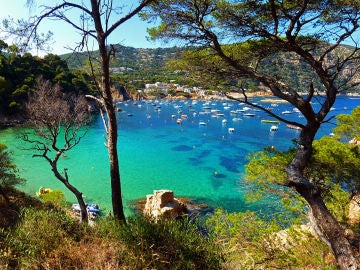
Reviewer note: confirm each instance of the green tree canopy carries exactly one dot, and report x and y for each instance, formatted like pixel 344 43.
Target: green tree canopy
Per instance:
pixel 8 172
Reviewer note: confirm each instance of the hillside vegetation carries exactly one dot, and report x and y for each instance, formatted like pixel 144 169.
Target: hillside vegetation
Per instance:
pixel 138 66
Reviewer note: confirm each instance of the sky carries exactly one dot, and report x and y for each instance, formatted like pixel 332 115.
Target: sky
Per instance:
pixel 132 33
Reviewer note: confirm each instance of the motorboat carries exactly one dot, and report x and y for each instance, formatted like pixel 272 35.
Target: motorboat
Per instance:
pixel 274 128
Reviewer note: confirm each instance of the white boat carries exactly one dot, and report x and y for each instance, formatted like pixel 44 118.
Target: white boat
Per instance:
pixel 231 130
pixel 274 128
pixel 179 121
pixel 214 111
pixel 286 112
pixel 249 114
pixel 224 121
pixel 202 123
pixel 235 119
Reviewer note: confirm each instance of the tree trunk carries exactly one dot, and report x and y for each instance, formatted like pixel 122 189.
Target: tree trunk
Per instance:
pixel 74 190
pixel 79 197
pixel 116 197
pixel 112 134
pixel 325 222
pixel 3 193
pixel 330 227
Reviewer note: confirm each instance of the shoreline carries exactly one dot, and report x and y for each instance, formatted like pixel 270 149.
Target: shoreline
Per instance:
pixel 9 121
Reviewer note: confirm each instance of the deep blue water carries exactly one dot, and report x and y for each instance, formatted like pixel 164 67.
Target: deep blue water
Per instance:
pixel 203 162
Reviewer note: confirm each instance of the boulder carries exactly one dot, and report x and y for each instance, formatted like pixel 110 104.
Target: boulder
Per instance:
pixel 162 203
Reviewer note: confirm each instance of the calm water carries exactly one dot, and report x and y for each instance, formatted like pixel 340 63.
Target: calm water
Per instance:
pixel 204 162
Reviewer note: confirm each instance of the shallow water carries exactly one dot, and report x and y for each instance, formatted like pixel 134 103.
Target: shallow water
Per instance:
pixel 203 162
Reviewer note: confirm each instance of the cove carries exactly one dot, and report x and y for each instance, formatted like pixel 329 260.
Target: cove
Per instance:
pixel 201 161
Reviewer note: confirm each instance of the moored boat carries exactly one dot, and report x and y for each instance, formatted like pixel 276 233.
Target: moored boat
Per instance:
pixel 270 121
pixel 274 128
pixel 293 127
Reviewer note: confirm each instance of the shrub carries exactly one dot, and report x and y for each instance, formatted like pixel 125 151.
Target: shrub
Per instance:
pixel 39 233
pixel 167 244
pixel 252 243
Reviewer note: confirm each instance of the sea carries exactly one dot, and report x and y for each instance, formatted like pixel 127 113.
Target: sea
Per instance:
pixel 196 148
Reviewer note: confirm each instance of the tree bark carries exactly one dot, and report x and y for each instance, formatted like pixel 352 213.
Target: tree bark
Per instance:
pixel 330 227
pixel 112 134
pixel 74 190
pixel 111 127
pixel 325 221
pixel 79 197
pixel 3 193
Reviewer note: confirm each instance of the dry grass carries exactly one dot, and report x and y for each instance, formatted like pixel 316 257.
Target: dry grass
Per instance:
pixel 94 254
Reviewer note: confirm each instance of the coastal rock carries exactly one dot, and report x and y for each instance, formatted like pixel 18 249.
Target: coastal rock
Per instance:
pixel 354 210
pixel 162 203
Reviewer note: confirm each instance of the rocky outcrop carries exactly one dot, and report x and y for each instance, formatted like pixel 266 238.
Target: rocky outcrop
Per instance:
pixel 354 210
pixel 162 203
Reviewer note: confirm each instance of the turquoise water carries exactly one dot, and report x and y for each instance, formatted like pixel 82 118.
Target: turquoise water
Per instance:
pixel 203 162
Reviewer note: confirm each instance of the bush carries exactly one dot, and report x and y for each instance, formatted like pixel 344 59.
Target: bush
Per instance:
pixel 168 244
pixel 39 233
pixel 252 243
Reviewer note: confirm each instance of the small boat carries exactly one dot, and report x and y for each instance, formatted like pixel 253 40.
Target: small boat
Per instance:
pixel 286 112
pixel 293 127
pixel 270 121
pixel 249 114
pixel 236 119
pixel 184 116
pixel 129 114
pixel 231 130
pixel 274 128
pixel 92 209
pixel 202 123
pixel 224 121
pixel 179 121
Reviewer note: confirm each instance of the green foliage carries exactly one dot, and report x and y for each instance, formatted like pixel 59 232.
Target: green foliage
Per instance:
pixel 335 162
pixel 167 244
pixel 39 233
pixel 334 169
pixel 252 243
pixel 274 161
pixel 19 72
pixel 337 202
pixel 348 125
pixel 8 172
pixel 55 197
pixel 52 240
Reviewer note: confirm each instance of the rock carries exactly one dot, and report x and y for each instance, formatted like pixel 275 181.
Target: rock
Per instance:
pixel 163 204
pixel 287 238
pixel 354 210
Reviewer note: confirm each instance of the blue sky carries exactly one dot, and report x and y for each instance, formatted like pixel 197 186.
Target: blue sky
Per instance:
pixel 132 33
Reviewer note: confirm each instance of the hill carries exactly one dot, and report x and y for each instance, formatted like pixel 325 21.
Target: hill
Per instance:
pixel 139 66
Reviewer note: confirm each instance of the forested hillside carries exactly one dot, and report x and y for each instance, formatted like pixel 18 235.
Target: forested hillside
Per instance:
pixel 141 65
pixel 18 73
pixel 130 67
